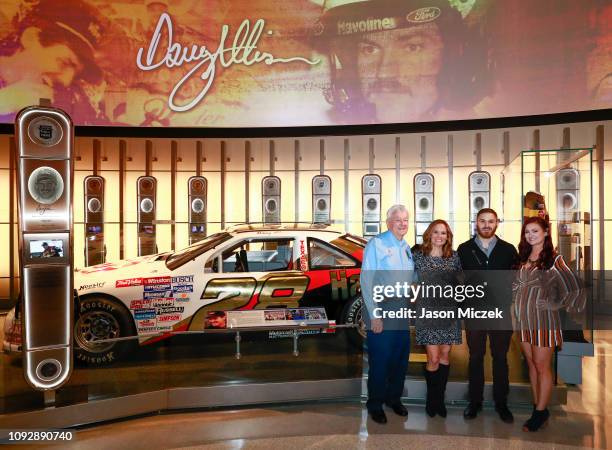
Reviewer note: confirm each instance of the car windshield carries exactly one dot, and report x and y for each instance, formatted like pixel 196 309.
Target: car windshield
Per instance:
pixel 180 257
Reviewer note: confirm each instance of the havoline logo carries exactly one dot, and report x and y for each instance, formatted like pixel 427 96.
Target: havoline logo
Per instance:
pixel 423 15
pixel 369 25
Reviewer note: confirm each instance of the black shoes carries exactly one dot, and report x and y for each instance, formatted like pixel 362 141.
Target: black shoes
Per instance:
pixel 537 420
pixel 399 409
pixel 378 416
pixel 443 370
pixel 436 388
pixel 504 413
pixel 471 412
pixel 430 402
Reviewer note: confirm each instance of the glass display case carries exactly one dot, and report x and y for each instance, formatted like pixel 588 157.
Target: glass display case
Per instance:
pixel 557 184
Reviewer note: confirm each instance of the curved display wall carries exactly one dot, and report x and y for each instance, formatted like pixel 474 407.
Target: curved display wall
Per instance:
pixel 189 63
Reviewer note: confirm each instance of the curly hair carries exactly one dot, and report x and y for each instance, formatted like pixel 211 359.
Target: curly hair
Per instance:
pixel 548 253
pixel 447 249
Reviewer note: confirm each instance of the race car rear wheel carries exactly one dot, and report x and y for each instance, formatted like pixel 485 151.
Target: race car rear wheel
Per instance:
pixel 352 313
pixel 101 318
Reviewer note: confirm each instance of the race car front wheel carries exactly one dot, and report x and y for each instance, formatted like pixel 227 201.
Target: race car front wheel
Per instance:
pixel 101 319
pixel 353 314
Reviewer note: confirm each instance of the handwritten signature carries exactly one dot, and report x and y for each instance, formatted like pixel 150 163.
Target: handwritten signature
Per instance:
pixel 41 210
pixel 243 51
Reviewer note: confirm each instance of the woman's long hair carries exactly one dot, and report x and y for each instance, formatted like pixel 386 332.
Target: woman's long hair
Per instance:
pixel 547 255
pixel 447 249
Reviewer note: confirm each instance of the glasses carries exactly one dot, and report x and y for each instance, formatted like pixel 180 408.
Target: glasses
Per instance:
pixel 399 221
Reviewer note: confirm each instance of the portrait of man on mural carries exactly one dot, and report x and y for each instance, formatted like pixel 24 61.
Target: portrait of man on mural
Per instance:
pixel 401 60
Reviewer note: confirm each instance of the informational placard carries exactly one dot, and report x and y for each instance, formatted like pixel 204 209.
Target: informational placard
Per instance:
pixel 265 318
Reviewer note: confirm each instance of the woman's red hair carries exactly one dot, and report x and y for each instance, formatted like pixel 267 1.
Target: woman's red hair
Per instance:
pixel 447 249
pixel 547 255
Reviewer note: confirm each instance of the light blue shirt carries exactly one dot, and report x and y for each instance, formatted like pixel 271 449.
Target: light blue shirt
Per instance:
pixel 384 253
pixel 487 251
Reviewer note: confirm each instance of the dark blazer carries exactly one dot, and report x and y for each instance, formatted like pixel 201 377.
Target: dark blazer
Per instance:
pixel 496 273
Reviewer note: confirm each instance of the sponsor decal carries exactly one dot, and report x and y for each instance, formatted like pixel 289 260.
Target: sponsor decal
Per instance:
pixel 423 15
pixel 169 318
pixel 186 288
pixel 143 314
pixel 99 268
pixel 170 310
pixel 140 304
pixel 157 287
pixel 182 279
pixel 181 298
pixel 156 280
pixel 146 323
pixel 303 259
pixel 162 303
pixel 84 287
pixel 128 282
pixel 156 294
pixel 369 25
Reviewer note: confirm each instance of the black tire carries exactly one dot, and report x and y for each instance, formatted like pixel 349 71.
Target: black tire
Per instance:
pixel 352 314
pixel 102 318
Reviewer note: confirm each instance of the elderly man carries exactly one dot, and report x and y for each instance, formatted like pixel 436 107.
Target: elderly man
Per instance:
pixel 387 260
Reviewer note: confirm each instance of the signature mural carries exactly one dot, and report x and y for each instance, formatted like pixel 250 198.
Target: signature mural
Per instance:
pixel 239 63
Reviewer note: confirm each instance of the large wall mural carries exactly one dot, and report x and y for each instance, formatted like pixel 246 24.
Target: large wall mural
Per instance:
pixel 222 63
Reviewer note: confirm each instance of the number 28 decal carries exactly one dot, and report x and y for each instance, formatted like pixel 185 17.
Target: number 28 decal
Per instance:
pixel 249 293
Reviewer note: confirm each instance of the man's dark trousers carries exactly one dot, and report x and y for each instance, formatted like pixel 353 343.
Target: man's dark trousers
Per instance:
pixel 499 341
pixel 388 354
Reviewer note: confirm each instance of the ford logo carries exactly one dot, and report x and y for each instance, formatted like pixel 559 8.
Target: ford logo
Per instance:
pixel 422 15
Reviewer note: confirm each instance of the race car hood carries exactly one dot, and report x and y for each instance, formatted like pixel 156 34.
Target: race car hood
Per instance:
pixel 98 278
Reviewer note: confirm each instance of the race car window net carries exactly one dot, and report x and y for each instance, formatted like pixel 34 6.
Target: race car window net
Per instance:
pixel 323 256
pixel 180 257
pixel 259 255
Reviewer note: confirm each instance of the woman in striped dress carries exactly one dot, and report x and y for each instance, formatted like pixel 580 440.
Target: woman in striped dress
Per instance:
pixel 544 285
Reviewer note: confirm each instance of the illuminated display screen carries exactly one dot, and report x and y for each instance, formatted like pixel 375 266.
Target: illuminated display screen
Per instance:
pixel 46 249
pixel 262 63
pixel 94 229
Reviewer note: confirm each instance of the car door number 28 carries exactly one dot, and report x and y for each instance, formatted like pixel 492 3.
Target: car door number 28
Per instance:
pixel 248 293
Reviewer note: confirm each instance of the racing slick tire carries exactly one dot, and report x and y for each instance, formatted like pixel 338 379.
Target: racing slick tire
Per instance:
pixel 352 314
pixel 102 318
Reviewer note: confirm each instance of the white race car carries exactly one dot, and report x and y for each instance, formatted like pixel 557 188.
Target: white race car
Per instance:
pixel 245 267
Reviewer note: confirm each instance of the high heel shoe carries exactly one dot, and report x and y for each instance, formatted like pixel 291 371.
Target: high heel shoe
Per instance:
pixel 538 420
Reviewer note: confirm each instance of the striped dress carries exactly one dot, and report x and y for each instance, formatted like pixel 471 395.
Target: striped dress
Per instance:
pixel 538 296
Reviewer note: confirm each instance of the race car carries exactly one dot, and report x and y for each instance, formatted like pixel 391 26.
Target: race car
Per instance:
pixel 243 268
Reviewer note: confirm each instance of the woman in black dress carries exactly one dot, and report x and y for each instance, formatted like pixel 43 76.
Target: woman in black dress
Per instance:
pixel 437 264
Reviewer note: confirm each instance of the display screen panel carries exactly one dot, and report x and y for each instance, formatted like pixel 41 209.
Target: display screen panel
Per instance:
pixel 261 63
pixel 46 249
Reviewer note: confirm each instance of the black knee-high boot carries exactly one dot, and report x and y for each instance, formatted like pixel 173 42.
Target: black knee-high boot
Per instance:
pixel 430 402
pixel 443 371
